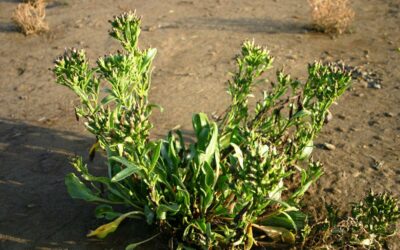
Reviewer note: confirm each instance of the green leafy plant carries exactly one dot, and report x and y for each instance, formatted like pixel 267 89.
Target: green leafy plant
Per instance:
pixel 238 185
pixel 369 225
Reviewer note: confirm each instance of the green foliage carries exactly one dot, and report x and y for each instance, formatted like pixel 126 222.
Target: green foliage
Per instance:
pixel 377 213
pixel 238 185
pixel 371 222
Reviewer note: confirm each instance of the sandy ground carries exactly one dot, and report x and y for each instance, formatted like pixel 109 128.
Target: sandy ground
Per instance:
pixel 196 41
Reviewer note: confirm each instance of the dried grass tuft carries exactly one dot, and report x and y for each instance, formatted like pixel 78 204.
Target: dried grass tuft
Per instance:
pixel 29 17
pixel 331 16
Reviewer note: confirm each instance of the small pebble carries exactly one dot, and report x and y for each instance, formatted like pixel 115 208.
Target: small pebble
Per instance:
pixel 375 85
pixel 41 119
pixel 31 205
pixel 388 114
pixel 364 84
pixel 214 115
pixel 339 129
pixel 342 117
pixel 329 146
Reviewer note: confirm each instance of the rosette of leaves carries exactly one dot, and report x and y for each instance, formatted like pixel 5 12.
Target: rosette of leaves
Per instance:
pixel 238 185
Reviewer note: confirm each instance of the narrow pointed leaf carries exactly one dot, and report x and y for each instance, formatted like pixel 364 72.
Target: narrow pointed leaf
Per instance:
pixel 130 169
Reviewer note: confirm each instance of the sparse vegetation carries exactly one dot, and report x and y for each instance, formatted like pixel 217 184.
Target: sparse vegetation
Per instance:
pixel 331 16
pixel 30 17
pixel 240 184
pixel 369 225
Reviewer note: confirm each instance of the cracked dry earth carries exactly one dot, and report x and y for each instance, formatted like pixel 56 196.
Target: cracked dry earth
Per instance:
pixel 196 41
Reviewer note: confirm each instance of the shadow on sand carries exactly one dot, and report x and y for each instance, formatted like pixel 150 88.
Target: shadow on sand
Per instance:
pixel 252 25
pixel 35 209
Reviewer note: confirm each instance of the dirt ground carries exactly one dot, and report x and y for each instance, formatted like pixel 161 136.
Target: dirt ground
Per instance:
pixel 196 42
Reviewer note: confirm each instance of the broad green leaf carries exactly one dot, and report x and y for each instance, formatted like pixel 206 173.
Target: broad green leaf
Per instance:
pixel 225 140
pixel 201 224
pixel 282 220
pixel 199 121
pixel 78 190
pixel 209 174
pixel 277 234
pixel 207 199
pixel 107 212
pixel 300 114
pixel 149 214
pixel 163 209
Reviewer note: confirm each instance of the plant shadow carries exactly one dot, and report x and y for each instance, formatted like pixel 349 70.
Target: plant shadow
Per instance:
pixel 8 27
pixel 36 210
pixel 251 25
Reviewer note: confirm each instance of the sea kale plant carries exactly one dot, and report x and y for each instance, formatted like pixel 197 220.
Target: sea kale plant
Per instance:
pixel 239 185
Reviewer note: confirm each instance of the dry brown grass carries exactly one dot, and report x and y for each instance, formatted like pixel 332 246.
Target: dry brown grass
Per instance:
pixel 29 17
pixel 331 16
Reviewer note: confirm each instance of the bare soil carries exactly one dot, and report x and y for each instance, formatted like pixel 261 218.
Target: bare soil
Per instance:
pixel 196 41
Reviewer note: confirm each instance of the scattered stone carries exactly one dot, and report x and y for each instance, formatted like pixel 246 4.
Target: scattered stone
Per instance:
pixel 377 164
pixel 339 129
pixel 342 117
pixel 363 84
pixel 372 122
pixel 364 74
pixel 31 205
pixel 352 129
pixel 42 119
pixel 150 28
pixel 375 85
pixel 20 70
pixel 329 146
pixel 388 114
pixel 214 115
pixel 23 97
